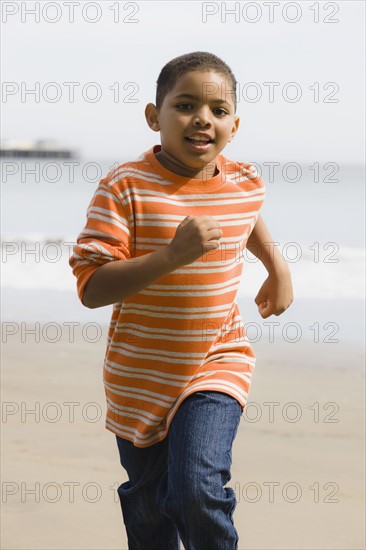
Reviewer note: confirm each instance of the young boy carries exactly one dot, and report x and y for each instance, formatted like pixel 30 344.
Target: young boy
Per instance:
pixel 164 242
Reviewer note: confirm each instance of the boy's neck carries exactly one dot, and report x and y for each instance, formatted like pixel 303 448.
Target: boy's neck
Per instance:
pixel 209 171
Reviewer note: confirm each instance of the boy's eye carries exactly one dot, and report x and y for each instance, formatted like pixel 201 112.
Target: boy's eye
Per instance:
pixel 220 112
pixel 184 106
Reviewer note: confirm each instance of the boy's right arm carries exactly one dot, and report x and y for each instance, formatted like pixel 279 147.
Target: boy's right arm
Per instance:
pixel 116 280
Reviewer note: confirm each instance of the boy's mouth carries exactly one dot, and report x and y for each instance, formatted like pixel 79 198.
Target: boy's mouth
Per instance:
pixel 199 143
pixel 200 139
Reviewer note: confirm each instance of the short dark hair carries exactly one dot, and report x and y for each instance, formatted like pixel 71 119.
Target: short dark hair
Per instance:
pixel 195 61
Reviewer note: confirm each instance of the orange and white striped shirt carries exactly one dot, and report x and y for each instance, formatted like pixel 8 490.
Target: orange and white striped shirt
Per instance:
pixel 184 332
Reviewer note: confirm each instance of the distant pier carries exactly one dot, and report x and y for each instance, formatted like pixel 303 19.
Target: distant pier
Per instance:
pixel 34 149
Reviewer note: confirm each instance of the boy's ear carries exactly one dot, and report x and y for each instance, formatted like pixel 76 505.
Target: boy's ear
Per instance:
pixel 152 115
pixel 234 128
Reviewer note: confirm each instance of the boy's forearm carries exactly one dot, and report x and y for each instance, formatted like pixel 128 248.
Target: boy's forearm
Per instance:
pixel 115 281
pixel 261 244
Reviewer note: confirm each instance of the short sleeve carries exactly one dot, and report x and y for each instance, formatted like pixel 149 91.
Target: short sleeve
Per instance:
pixel 106 236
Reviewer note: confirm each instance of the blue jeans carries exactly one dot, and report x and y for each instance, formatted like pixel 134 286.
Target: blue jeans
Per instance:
pixel 176 486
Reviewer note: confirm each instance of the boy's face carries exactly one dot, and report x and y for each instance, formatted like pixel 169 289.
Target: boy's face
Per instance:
pixel 195 121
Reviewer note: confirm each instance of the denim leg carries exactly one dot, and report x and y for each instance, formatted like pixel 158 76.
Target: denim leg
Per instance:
pixel 147 527
pixel 200 456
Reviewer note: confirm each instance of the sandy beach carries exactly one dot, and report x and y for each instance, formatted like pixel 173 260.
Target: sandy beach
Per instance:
pixel 298 459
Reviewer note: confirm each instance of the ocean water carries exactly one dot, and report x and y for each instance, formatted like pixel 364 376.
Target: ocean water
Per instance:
pixel 314 213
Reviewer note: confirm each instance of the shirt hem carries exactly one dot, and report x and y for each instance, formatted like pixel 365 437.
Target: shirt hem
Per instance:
pixel 242 401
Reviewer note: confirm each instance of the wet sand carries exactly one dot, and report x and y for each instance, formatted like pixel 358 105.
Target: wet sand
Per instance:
pixel 298 459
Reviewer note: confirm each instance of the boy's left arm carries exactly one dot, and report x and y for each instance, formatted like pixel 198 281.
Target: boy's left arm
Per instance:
pixel 276 294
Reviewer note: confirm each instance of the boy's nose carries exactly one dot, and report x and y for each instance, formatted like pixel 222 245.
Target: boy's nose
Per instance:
pixel 202 117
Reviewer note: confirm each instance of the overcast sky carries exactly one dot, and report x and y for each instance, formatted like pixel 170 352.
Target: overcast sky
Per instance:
pixel 123 58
